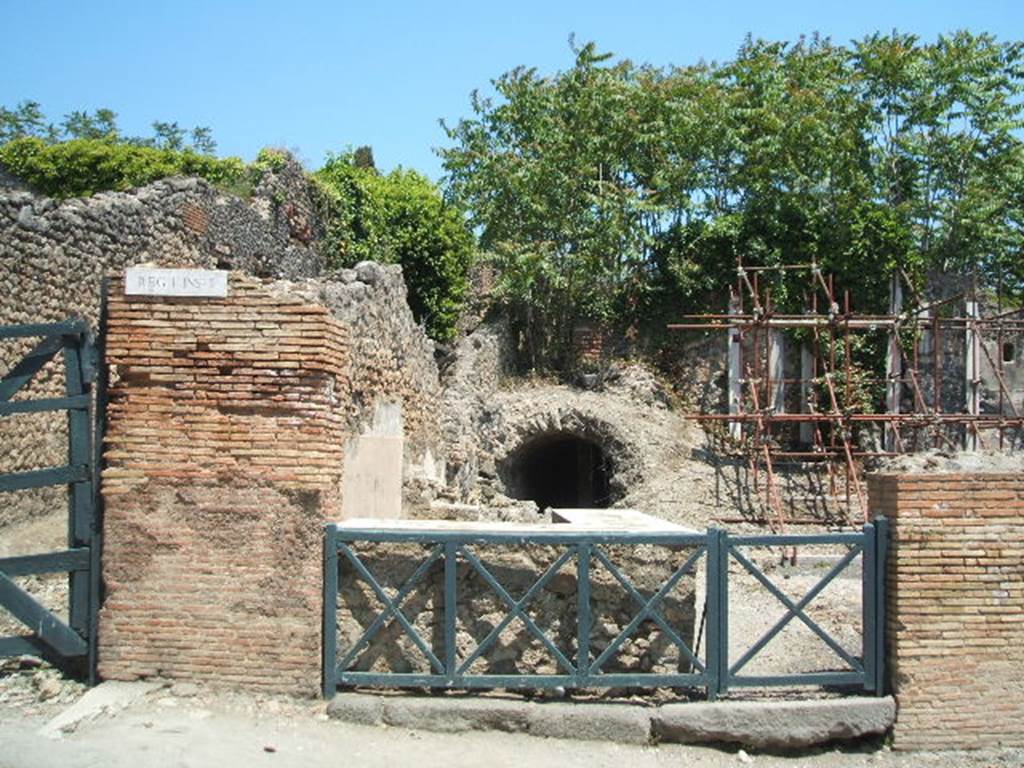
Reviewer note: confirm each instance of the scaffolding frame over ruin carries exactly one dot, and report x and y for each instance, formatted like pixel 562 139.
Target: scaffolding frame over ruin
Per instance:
pixel 831 424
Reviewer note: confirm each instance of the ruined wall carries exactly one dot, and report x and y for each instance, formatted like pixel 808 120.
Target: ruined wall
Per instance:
pixel 224 452
pixel 955 628
pixel 487 415
pixel 54 254
pixel 391 367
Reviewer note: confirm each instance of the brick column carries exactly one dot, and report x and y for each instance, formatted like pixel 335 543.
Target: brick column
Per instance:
pixel 223 453
pixel 955 629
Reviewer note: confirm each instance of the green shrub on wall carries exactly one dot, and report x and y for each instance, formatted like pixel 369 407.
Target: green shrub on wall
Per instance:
pixel 82 167
pixel 399 218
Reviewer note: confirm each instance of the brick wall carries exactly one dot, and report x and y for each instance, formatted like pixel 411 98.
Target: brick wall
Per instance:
pixel 224 452
pixel 587 344
pixel 956 607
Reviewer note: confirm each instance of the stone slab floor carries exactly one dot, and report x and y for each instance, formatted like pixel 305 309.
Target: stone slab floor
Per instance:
pixel 184 726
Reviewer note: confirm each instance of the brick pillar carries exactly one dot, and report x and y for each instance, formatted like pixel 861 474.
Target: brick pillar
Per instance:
pixel 223 459
pixel 955 628
pixel 587 344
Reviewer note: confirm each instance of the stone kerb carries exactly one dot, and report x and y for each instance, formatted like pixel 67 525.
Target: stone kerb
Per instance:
pixel 223 459
pixel 955 624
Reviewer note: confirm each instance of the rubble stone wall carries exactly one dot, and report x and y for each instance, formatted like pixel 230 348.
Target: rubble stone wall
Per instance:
pixel 391 363
pixel 54 255
pixel 955 622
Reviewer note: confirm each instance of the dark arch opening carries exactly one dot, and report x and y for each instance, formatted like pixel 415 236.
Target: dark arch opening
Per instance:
pixel 559 470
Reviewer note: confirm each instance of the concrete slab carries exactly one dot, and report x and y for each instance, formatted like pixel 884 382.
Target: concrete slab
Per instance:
pixel 615 519
pixel 357 709
pixel 752 724
pixel 774 724
pixel 451 714
pixel 621 723
pixel 108 697
pixel 455 715
pixel 596 523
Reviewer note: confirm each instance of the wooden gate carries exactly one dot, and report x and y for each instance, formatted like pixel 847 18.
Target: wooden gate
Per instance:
pixel 71 643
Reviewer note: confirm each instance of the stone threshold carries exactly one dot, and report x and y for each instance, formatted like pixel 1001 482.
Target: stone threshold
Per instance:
pixel 610 520
pixel 772 725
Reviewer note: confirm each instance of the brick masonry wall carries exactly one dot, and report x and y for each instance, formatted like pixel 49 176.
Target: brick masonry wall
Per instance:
pixel 224 448
pixel 955 628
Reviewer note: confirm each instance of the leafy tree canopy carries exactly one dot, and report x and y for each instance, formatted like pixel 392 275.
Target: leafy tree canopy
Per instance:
pixel 26 119
pixel 622 191
pixel 86 153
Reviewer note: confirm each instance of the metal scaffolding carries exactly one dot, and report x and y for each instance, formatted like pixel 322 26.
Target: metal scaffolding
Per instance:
pixel 944 385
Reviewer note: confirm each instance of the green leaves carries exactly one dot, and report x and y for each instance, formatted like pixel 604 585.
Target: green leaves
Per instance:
pixel 399 218
pixel 86 153
pixel 627 182
pixel 27 120
pixel 82 167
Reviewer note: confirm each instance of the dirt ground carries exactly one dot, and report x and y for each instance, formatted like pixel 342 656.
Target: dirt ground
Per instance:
pixel 196 728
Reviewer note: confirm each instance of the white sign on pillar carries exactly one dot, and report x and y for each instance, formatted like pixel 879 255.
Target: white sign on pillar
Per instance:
pixel 151 281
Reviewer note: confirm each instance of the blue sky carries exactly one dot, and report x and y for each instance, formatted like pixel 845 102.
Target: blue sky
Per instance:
pixel 317 76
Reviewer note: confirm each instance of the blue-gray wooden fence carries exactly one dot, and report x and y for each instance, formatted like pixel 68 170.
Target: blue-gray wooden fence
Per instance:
pixel 714 671
pixel 75 639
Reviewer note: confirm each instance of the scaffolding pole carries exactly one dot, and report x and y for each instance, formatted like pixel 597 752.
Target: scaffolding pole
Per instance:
pixel 835 425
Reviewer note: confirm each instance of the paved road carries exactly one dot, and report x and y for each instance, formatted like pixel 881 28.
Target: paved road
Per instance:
pixel 168 732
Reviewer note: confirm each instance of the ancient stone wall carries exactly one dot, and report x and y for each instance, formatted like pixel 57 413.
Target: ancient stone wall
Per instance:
pixel 955 629
pixel 488 415
pixel 54 255
pixel 391 366
pixel 224 452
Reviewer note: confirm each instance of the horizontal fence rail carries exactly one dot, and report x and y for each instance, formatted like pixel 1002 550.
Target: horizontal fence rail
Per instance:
pixel 453 555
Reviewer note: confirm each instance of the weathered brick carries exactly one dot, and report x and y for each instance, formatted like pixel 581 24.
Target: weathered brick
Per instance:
pixel 955 627
pixel 215 496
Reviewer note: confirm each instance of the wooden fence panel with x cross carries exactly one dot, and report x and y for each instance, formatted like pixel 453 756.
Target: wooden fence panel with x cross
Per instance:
pixel 582 663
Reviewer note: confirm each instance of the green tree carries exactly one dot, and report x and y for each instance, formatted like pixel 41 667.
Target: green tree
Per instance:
pixel 624 192
pixel 100 125
pixel 558 176
pixel 82 167
pixel 363 158
pixel 87 153
pixel 169 135
pixel 25 119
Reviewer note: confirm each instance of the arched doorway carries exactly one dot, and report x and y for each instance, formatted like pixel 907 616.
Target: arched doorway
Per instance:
pixel 559 469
